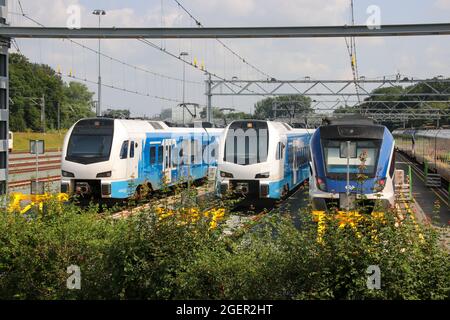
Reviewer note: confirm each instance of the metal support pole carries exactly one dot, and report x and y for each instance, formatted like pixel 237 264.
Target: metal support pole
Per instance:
pixel 4 102
pixel 410 182
pixel 184 84
pixel 99 102
pixel 59 117
pixel 37 165
pixel 209 98
pixel 348 176
pixel 43 113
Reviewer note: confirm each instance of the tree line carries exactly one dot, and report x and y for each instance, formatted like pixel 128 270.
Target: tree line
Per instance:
pixel 34 86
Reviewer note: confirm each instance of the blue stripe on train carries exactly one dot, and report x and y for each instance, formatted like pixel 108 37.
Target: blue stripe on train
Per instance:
pixel 153 173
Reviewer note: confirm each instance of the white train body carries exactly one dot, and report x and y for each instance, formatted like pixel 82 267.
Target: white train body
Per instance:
pixel 111 158
pixel 262 159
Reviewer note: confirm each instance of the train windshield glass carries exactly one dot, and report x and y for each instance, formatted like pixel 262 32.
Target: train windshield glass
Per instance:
pixel 363 156
pixel 90 141
pixel 246 142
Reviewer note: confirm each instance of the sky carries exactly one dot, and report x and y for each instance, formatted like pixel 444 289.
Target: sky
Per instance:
pixel 287 59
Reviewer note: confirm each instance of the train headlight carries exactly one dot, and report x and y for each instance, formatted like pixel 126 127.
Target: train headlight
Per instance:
pixel 67 174
pixel 224 174
pixel 106 174
pixel 262 175
pixel 379 185
pixel 321 184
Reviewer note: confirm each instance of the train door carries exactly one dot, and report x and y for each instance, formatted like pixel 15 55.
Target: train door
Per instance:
pixel 168 146
pixel 296 148
pixel 133 160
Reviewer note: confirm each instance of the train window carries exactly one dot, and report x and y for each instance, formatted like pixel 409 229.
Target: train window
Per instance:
pixel 170 154
pixel 392 166
pixel 152 155
pixel 132 149
pixel 280 150
pixel 195 151
pixel 246 142
pixel 124 150
pixel 290 154
pixel 351 152
pixel 160 154
pixel 336 164
pixel 278 155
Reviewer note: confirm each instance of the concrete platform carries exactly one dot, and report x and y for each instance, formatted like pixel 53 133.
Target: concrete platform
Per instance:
pixel 432 202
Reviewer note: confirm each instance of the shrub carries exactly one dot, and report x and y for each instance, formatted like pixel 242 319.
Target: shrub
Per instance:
pixel 182 255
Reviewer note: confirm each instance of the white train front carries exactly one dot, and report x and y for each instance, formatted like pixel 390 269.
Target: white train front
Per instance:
pixel 112 158
pixel 262 159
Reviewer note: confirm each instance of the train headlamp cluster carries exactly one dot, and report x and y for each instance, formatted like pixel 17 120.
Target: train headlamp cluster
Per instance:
pixel 224 174
pixel 379 185
pixel 67 174
pixel 106 174
pixel 262 175
pixel 321 184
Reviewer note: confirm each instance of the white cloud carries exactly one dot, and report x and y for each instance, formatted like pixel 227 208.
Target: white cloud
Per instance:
pixel 442 4
pixel 281 58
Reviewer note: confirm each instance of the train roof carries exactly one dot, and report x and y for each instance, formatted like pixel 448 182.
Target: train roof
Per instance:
pixel 135 125
pixel 440 133
pixel 358 130
pixel 280 126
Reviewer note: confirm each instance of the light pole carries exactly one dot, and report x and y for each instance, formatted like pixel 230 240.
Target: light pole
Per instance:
pixel 184 77
pixel 99 13
pixel 232 97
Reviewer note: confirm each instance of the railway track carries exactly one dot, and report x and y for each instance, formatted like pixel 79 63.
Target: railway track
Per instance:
pixel 22 168
pixel 441 193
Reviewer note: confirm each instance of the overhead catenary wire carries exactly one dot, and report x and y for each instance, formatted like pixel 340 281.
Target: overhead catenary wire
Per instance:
pixel 145 94
pixel 200 25
pixel 26 16
pixel 351 48
pixel 123 89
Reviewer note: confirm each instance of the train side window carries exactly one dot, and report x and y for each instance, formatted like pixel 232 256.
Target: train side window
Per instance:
pixel 124 150
pixel 160 154
pixel 152 155
pixel 132 149
pixel 392 166
pixel 280 149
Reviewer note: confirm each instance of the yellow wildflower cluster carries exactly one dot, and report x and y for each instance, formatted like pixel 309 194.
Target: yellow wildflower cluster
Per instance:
pixel 351 218
pixel 16 200
pixel 192 215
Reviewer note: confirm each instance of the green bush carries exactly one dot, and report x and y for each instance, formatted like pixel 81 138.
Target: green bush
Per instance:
pixel 146 257
pixel 282 262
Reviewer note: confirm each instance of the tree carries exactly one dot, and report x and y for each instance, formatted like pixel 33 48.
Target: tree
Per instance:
pixel 264 109
pixel 166 114
pixel 76 104
pixel 117 114
pixel 29 82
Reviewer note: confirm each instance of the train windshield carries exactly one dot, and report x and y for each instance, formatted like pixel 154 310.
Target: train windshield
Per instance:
pixel 247 142
pixel 91 141
pixel 362 154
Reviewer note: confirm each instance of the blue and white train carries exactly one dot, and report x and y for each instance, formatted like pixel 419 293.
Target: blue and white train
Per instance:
pixel 262 159
pixel 342 152
pixel 113 159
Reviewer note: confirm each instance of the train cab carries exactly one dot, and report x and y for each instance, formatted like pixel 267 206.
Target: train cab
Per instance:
pixel 350 161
